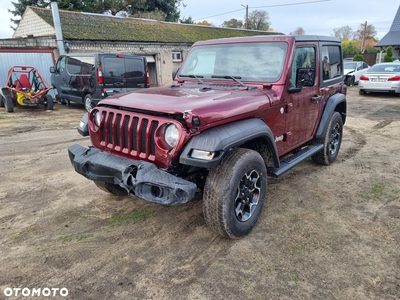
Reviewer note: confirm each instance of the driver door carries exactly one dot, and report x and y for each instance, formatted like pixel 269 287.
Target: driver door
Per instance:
pixel 303 106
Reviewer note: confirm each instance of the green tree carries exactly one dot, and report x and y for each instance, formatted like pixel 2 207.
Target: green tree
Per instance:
pixel 343 33
pixel 358 57
pixel 232 23
pixel 298 31
pixel 188 20
pixel 258 20
pixel 389 55
pixel 350 47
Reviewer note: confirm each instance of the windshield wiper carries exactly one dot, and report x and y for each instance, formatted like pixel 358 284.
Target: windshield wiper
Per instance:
pixel 234 78
pixel 198 77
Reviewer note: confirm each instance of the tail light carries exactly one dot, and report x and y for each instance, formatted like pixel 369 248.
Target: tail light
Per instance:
pixel 100 79
pixel 147 77
pixel 395 78
pixel 363 77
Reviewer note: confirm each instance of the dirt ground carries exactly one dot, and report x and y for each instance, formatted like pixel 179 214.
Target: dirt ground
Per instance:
pixel 325 232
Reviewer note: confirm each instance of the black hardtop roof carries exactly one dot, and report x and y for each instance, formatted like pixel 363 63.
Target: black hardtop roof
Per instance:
pixel 260 38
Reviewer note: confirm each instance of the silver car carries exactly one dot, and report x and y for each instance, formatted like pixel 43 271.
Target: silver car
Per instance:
pixel 382 77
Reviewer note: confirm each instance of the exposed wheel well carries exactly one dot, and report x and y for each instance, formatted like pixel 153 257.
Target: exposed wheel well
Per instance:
pixel 264 147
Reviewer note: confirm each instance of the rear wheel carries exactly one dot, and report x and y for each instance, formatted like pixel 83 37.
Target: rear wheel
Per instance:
pixel 234 193
pixel 48 104
pixel 111 188
pixel 8 104
pixel 1 101
pixel 331 141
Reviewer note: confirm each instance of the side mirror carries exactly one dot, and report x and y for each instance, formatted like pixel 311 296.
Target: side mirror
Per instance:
pixel 52 70
pixel 305 77
pixel 174 72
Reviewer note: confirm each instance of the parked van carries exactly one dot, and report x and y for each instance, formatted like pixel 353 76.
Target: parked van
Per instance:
pixel 89 77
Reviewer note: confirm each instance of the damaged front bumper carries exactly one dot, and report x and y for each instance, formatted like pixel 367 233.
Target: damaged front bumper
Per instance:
pixel 139 178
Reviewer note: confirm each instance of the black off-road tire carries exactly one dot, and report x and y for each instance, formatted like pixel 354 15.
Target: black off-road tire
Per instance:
pixel 234 193
pixel 8 104
pixel 331 141
pixel 1 101
pixel 111 188
pixel 48 104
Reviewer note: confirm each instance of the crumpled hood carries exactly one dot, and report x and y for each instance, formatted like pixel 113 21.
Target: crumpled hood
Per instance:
pixel 209 103
pixel 347 71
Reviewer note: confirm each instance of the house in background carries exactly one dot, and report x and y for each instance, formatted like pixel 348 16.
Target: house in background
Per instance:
pixel 392 38
pixel 164 44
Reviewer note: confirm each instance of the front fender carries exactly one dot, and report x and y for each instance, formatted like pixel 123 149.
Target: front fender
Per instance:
pixel 337 103
pixel 221 139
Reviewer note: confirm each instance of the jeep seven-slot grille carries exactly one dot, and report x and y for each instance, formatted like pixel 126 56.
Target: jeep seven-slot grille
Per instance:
pixel 129 133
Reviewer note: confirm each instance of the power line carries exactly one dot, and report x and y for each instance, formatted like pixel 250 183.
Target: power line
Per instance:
pixel 276 5
pixel 288 4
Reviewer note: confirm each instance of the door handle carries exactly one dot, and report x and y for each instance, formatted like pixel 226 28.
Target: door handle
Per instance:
pixel 316 98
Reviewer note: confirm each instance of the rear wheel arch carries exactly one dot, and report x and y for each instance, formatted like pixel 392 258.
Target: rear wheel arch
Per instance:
pixel 336 103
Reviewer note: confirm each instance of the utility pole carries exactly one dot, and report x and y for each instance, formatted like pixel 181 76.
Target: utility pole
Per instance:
pixel 364 36
pixel 246 23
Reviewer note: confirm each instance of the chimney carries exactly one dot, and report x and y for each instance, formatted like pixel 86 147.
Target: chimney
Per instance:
pixel 57 26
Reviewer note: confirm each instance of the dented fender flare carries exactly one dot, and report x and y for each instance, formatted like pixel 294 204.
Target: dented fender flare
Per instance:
pixel 220 140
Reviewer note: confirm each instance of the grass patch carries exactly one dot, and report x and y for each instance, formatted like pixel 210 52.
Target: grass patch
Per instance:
pixel 83 236
pixel 379 192
pixel 135 216
pixel 66 239
pixel 375 193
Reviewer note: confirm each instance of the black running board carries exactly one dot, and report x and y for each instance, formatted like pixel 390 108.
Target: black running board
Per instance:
pixel 295 159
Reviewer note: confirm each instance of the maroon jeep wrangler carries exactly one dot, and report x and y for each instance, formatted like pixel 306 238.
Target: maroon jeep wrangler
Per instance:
pixel 239 109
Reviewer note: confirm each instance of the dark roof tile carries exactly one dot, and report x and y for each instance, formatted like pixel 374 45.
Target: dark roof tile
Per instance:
pixel 87 26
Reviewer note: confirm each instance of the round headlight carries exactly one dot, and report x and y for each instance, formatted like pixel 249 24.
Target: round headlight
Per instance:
pixel 97 118
pixel 171 135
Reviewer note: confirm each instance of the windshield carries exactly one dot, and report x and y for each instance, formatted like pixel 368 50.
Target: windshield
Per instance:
pixel 350 65
pixel 257 62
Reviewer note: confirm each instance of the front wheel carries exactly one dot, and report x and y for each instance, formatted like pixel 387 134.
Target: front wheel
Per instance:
pixel 8 104
pixel 350 80
pixel 331 141
pixel 48 104
pixel 111 188
pixel 234 193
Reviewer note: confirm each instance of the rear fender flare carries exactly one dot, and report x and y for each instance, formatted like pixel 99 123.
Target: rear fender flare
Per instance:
pixel 337 103
pixel 220 140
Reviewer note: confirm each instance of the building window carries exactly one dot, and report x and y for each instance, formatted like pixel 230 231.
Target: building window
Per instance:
pixel 176 56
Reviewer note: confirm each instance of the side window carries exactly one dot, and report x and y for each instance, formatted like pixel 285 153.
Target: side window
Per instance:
pixel 80 64
pixel 60 67
pixel 365 65
pixel 331 62
pixel 304 57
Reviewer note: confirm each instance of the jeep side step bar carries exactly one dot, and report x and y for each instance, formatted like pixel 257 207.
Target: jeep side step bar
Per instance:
pixel 295 159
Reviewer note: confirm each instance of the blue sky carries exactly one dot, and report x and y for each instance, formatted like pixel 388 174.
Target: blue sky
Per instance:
pixel 316 17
